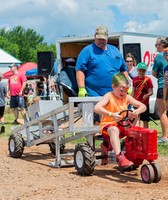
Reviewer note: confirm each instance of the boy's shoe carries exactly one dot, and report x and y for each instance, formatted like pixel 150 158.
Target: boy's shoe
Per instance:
pixel 162 140
pixel 123 162
pixel 2 129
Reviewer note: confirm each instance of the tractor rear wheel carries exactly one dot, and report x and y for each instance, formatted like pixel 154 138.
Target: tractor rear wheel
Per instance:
pixel 84 159
pixel 16 145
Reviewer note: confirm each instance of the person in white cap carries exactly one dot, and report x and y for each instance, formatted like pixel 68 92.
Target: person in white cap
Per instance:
pixel 96 65
pixel 70 60
pixel 16 84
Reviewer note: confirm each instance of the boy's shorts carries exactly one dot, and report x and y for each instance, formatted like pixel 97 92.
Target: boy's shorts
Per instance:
pixel 17 101
pixel 105 134
pixel 145 115
pixel 2 110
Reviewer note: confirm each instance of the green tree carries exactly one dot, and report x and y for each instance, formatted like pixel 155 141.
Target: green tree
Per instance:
pixel 27 41
pixel 41 48
pixel 3 32
pixel 9 47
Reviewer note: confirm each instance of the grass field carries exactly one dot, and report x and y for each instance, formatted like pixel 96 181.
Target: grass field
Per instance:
pixel 9 118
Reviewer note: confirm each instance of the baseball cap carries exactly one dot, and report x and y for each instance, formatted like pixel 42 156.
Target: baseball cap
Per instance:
pixel 70 60
pixel 142 65
pixel 13 65
pixel 101 32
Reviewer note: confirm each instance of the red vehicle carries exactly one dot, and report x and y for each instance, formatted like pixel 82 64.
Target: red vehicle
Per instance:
pixel 138 145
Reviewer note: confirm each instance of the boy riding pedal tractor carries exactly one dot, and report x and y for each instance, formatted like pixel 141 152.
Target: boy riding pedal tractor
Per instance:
pixel 109 107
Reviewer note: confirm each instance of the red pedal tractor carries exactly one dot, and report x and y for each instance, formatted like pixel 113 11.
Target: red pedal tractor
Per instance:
pixel 138 145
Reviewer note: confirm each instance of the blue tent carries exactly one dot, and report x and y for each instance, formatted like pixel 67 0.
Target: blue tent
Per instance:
pixel 34 72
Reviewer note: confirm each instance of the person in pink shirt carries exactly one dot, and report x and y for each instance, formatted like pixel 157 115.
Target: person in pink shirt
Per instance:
pixel 16 84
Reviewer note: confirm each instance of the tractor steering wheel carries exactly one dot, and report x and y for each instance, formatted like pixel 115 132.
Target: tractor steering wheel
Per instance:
pixel 127 121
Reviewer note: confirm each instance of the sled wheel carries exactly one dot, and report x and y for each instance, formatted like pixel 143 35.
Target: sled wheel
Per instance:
pixel 147 173
pixel 16 145
pixel 84 159
pixel 157 171
pixel 52 148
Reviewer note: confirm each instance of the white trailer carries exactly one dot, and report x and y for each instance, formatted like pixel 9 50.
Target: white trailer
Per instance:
pixel 142 46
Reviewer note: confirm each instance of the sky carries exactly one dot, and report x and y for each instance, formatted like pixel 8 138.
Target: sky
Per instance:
pixel 55 19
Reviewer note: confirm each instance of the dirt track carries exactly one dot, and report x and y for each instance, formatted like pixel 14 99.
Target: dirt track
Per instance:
pixel 31 178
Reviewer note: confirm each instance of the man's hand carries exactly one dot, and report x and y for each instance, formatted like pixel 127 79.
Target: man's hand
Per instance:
pixel 20 94
pixel 82 92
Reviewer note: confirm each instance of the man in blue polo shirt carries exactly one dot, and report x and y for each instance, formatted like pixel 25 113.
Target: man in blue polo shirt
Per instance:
pixel 96 65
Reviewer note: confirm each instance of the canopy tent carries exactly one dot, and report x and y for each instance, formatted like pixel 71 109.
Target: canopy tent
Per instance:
pixel 6 58
pixel 34 72
pixel 22 68
pixel 30 69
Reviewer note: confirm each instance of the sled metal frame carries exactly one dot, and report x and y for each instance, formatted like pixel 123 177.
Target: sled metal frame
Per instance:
pixel 86 128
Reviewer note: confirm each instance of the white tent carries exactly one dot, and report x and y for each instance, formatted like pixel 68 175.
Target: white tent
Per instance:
pixel 5 60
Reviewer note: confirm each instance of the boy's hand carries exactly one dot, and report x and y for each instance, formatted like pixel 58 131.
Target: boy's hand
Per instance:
pixel 134 114
pixel 82 92
pixel 117 117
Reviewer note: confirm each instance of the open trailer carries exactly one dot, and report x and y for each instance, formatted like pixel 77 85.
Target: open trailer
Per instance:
pixel 142 46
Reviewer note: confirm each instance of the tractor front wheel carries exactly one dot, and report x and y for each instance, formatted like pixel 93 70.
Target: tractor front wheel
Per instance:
pixel 147 173
pixel 157 171
pixel 84 159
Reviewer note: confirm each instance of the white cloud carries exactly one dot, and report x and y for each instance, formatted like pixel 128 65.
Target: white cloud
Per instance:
pixel 59 18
